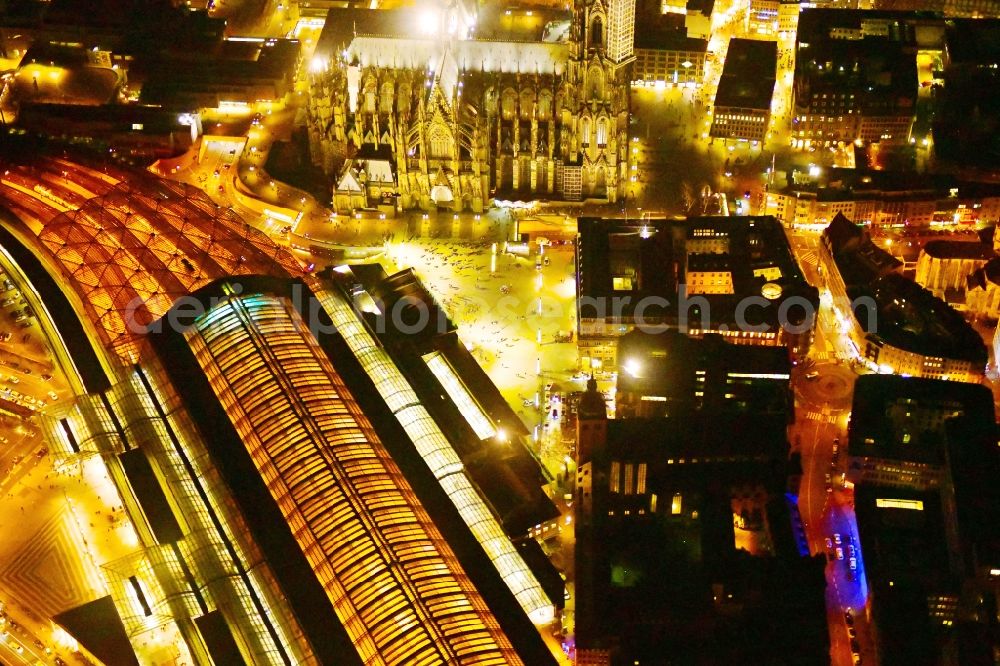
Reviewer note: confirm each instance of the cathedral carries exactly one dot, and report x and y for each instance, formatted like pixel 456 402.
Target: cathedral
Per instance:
pixel 455 106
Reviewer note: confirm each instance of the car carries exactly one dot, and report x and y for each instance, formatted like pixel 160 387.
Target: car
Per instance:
pixel 829 543
pixel 857 659
pixel 827 479
pixel 836 538
pixel 852 632
pixel 853 563
pixel 855 646
pixel 216 173
pixel 12 379
pixel 53 395
pixel 836 449
pixel 812 375
pixel 840 553
pixel 46 378
pixel 849 618
pixel 4 337
pixel 850 549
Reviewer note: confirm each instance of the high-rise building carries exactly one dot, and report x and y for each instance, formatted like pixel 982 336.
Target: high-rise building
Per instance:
pixel 621 30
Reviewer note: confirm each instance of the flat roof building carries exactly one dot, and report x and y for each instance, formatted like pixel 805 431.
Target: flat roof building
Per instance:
pixel 244 70
pixel 921 452
pixel 965 111
pixel 636 272
pixel 665 54
pixel 743 100
pixel 856 75
pixel 897 433
pixel 666 373
pixel 683 532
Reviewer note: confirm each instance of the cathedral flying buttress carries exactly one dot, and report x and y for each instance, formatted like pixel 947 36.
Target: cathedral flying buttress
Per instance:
pixel 460 117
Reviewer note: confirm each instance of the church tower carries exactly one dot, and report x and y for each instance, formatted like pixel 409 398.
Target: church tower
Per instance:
pixel 591 423
pixel 600 47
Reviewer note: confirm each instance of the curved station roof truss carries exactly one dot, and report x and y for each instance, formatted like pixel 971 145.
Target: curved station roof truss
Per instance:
pixel 392 579
pixel 130 243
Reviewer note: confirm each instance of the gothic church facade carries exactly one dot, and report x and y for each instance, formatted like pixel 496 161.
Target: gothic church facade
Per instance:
pixel 454 120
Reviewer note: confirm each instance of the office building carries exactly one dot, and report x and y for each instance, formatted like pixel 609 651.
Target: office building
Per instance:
pixel 921 453
pixel 900 427
pixel 667 373
pixel 894 324
pixel 635 273
pixel 665 55
pixel 880 199
pixel 853 86
pixel 743 101
pixel 683 532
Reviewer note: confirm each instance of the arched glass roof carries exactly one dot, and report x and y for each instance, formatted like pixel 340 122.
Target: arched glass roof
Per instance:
pixel 130 244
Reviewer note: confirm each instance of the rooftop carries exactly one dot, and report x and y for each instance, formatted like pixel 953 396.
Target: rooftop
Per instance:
pixel 879 73
pixel 858 259
pixel 632 259
pixel 949 249
pixel 905 561
pixel 669 575
pixel 700 436
pixel 674 366
pixel 910 317
pixel 903 418
pixel 460 395
pixel 130 243
pixel 967 112
pixel 666 32
pixel 748 75
pixel 973 42
pixel 816 24
pixel 343 479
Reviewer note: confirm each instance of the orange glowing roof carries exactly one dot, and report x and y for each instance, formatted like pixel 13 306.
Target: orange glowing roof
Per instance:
pixel 130 243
